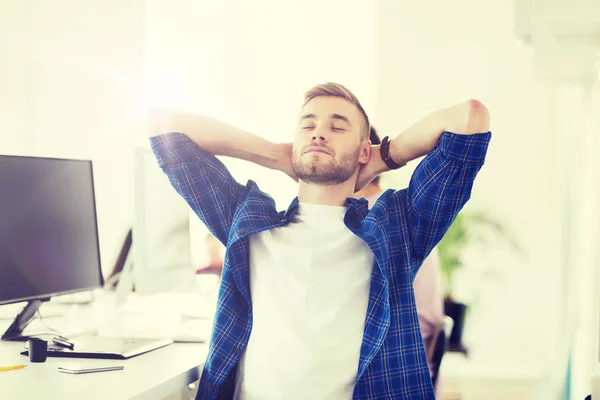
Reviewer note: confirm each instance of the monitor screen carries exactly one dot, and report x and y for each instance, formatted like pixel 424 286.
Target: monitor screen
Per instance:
pixel 48 228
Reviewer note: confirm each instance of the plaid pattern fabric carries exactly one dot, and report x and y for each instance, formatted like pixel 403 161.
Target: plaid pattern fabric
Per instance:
pixel 401 229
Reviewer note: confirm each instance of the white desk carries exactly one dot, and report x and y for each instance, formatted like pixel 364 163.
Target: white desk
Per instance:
pixel 474 380
pixel 153 375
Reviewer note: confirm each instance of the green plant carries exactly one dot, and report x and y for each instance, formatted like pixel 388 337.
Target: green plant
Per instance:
pixel 468 229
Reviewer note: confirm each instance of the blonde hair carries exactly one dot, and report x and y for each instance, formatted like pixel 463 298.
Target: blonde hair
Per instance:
pixel 337 90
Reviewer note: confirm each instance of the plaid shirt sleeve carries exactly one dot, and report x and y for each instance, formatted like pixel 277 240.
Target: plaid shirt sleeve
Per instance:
pixel 439 188
pixel 201 179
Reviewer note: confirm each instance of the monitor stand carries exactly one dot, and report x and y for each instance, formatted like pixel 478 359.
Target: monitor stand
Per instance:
pixel 15 330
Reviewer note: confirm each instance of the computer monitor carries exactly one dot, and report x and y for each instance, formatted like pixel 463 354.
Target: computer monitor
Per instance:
pixel 48 233
pixel 162 254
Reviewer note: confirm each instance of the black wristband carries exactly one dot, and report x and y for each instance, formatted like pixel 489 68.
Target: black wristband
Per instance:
pixel 384 149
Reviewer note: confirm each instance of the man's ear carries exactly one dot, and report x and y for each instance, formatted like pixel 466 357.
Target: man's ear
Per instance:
pixel 365 152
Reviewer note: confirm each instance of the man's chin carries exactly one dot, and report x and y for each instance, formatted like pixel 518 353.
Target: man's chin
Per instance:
pixel 321 179
pixel 317 172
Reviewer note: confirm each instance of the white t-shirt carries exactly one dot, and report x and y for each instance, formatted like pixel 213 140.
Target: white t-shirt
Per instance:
pixel 309 284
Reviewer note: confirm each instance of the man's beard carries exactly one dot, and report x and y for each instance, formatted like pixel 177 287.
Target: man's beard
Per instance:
pixel 328 173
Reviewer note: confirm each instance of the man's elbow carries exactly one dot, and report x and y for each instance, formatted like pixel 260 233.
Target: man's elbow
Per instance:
pixel 478 117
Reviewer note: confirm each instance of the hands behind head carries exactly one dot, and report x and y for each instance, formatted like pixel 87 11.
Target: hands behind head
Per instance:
pixel 285 160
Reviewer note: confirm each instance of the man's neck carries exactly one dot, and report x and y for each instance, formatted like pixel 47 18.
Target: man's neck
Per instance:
pixel 368 191
pixel 333 195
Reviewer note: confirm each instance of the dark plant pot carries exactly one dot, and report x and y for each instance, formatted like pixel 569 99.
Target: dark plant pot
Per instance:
pixel 457 312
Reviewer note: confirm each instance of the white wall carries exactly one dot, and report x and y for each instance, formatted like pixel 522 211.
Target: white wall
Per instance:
pixel 584 307
pixel 72 88
pixel 15 88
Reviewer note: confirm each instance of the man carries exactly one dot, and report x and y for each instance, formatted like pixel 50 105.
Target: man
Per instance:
pixel 427 286
pixel 316 302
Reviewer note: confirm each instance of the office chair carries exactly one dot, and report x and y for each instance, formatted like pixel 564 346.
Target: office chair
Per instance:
pixel 439 347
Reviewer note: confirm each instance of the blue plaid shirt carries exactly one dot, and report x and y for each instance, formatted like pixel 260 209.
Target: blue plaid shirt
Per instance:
pixel 401 229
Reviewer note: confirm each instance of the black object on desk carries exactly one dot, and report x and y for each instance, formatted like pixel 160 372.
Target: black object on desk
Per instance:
pixel 38 350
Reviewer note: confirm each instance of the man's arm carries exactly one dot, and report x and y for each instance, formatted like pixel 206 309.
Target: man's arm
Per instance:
pixel 455 140
pixel 221 139
pixel 419 139
pixel 185 146
pixel 468 118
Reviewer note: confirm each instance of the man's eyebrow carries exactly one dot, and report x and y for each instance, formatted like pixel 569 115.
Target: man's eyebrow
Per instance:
pixel 341 118
pixel 332 116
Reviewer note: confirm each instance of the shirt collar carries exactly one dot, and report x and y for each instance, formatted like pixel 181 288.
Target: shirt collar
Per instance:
pixel 291 211
pixel 360 206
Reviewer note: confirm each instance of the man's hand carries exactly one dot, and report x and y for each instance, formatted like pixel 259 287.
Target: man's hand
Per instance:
pixel 285 160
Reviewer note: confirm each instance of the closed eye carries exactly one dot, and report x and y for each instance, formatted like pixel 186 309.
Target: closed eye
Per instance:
pixel 307 127
pixel 338 129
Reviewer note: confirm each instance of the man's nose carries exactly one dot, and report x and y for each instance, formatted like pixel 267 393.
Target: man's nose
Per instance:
pixel 319 135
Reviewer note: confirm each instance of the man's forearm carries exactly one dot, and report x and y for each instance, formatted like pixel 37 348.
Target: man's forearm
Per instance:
pixel 217 137
pixel 466 118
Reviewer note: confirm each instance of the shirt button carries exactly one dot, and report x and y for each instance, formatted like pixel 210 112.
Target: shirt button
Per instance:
pixel 236 350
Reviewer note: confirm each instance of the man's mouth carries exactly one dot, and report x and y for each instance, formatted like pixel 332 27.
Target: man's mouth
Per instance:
pixel 317 150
